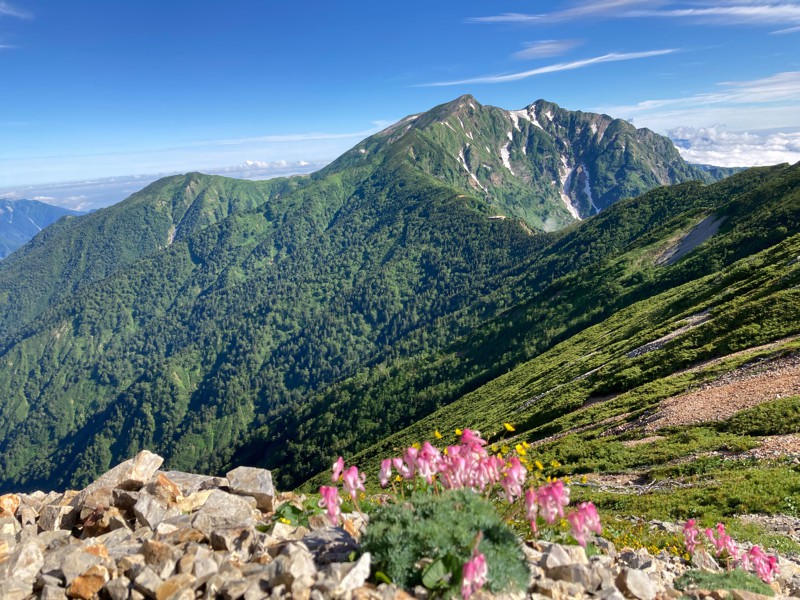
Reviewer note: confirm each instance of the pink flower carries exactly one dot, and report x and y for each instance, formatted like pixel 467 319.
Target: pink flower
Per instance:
pixel 690 535
pixel 329 498
pixel 407 465
pixel 338 467
pixel 427 461
pixel 723 542
pixel 353 482
pixel 584 520
pixel 386 471
pixel 553 497
pixel 474 442
pixel 474 574
pixel 531 508
pixel 513 479
pixel 765 566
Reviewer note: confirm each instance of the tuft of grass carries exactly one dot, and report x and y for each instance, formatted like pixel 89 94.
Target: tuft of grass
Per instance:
pixel 735 579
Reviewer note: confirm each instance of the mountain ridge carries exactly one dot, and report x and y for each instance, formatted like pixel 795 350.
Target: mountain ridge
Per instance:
pixel 32 217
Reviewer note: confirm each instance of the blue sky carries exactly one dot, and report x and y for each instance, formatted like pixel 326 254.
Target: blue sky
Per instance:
pixel 94 92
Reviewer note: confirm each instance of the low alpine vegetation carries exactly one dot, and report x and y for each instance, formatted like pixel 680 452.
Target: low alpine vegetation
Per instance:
pixel 439 526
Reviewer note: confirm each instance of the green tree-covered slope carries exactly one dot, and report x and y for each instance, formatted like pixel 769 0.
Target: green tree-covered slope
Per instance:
pixel 216 321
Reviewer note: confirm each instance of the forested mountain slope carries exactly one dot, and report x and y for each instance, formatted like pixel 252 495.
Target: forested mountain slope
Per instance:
pixel 213 320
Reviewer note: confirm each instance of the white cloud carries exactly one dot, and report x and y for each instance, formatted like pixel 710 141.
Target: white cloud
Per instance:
pixel 6 10
pixel 581 10
pixel 257 169
pixel 545 48
pixel 718 146
pixel 764 13
pixel 735 12
pixel 777 94
pixel 578 64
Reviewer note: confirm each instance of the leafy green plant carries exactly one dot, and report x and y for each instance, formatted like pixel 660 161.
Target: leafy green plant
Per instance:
pixel 730 580
pixel 426 539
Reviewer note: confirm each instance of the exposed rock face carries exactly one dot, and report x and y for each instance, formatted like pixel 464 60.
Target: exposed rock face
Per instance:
pixel 143 534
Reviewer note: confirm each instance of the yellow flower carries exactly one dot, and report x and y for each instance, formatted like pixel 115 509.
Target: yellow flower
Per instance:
pixel 504 449
pixel 567 480
pixel 499 455
pixel 459 432
pixel 555 464
pixel 416 445
pixel 509 427
pixel 583 479
pixel 285 521
pixel 520 449
pixel 398 478
pixel 437 435
pixel 526 445
pixel 539 465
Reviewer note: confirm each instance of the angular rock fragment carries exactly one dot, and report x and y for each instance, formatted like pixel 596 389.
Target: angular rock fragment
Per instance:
pixel 221 511
pixel 257 483
pixel 636 584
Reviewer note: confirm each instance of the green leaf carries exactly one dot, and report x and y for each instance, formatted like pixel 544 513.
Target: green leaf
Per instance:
pixel 436 575
pixel 382 577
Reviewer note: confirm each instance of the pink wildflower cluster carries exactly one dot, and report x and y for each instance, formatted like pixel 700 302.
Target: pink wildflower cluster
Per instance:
pixel 755 559
pixel 467 465
pixel 352 482
pixel 584 521
pixel 474 574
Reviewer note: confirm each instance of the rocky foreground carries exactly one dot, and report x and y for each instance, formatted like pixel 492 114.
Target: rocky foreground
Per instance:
pixel 141 533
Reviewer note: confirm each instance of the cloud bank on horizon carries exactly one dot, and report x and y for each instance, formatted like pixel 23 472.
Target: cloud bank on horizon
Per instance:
pixel 721 77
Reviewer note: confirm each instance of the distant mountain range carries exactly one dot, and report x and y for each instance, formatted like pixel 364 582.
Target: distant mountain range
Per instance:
pixel 20 220
pixel 220 321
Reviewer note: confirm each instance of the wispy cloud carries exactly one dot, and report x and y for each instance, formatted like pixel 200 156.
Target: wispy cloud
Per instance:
pixel 718 146
pixel 765 13
pixel 545 48
pixel 564 66
pixel 780 87
pixel 582 10
pixel 7 10
pixel 768 103
pixel 735 12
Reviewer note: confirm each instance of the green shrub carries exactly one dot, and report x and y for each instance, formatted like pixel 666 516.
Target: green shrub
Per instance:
pixel 777 417
pixel 427 539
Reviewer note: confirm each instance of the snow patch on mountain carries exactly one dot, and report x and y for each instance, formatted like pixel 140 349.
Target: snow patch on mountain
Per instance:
pixel 34 224
pixel 565 173
pixel 466 168
pixel 505 155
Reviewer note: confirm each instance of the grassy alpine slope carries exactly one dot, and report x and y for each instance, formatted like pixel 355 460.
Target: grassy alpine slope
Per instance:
pixel 667 392
pixel 218 321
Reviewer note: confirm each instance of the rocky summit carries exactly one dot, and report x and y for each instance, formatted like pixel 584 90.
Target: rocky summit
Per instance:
pixel 141 533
